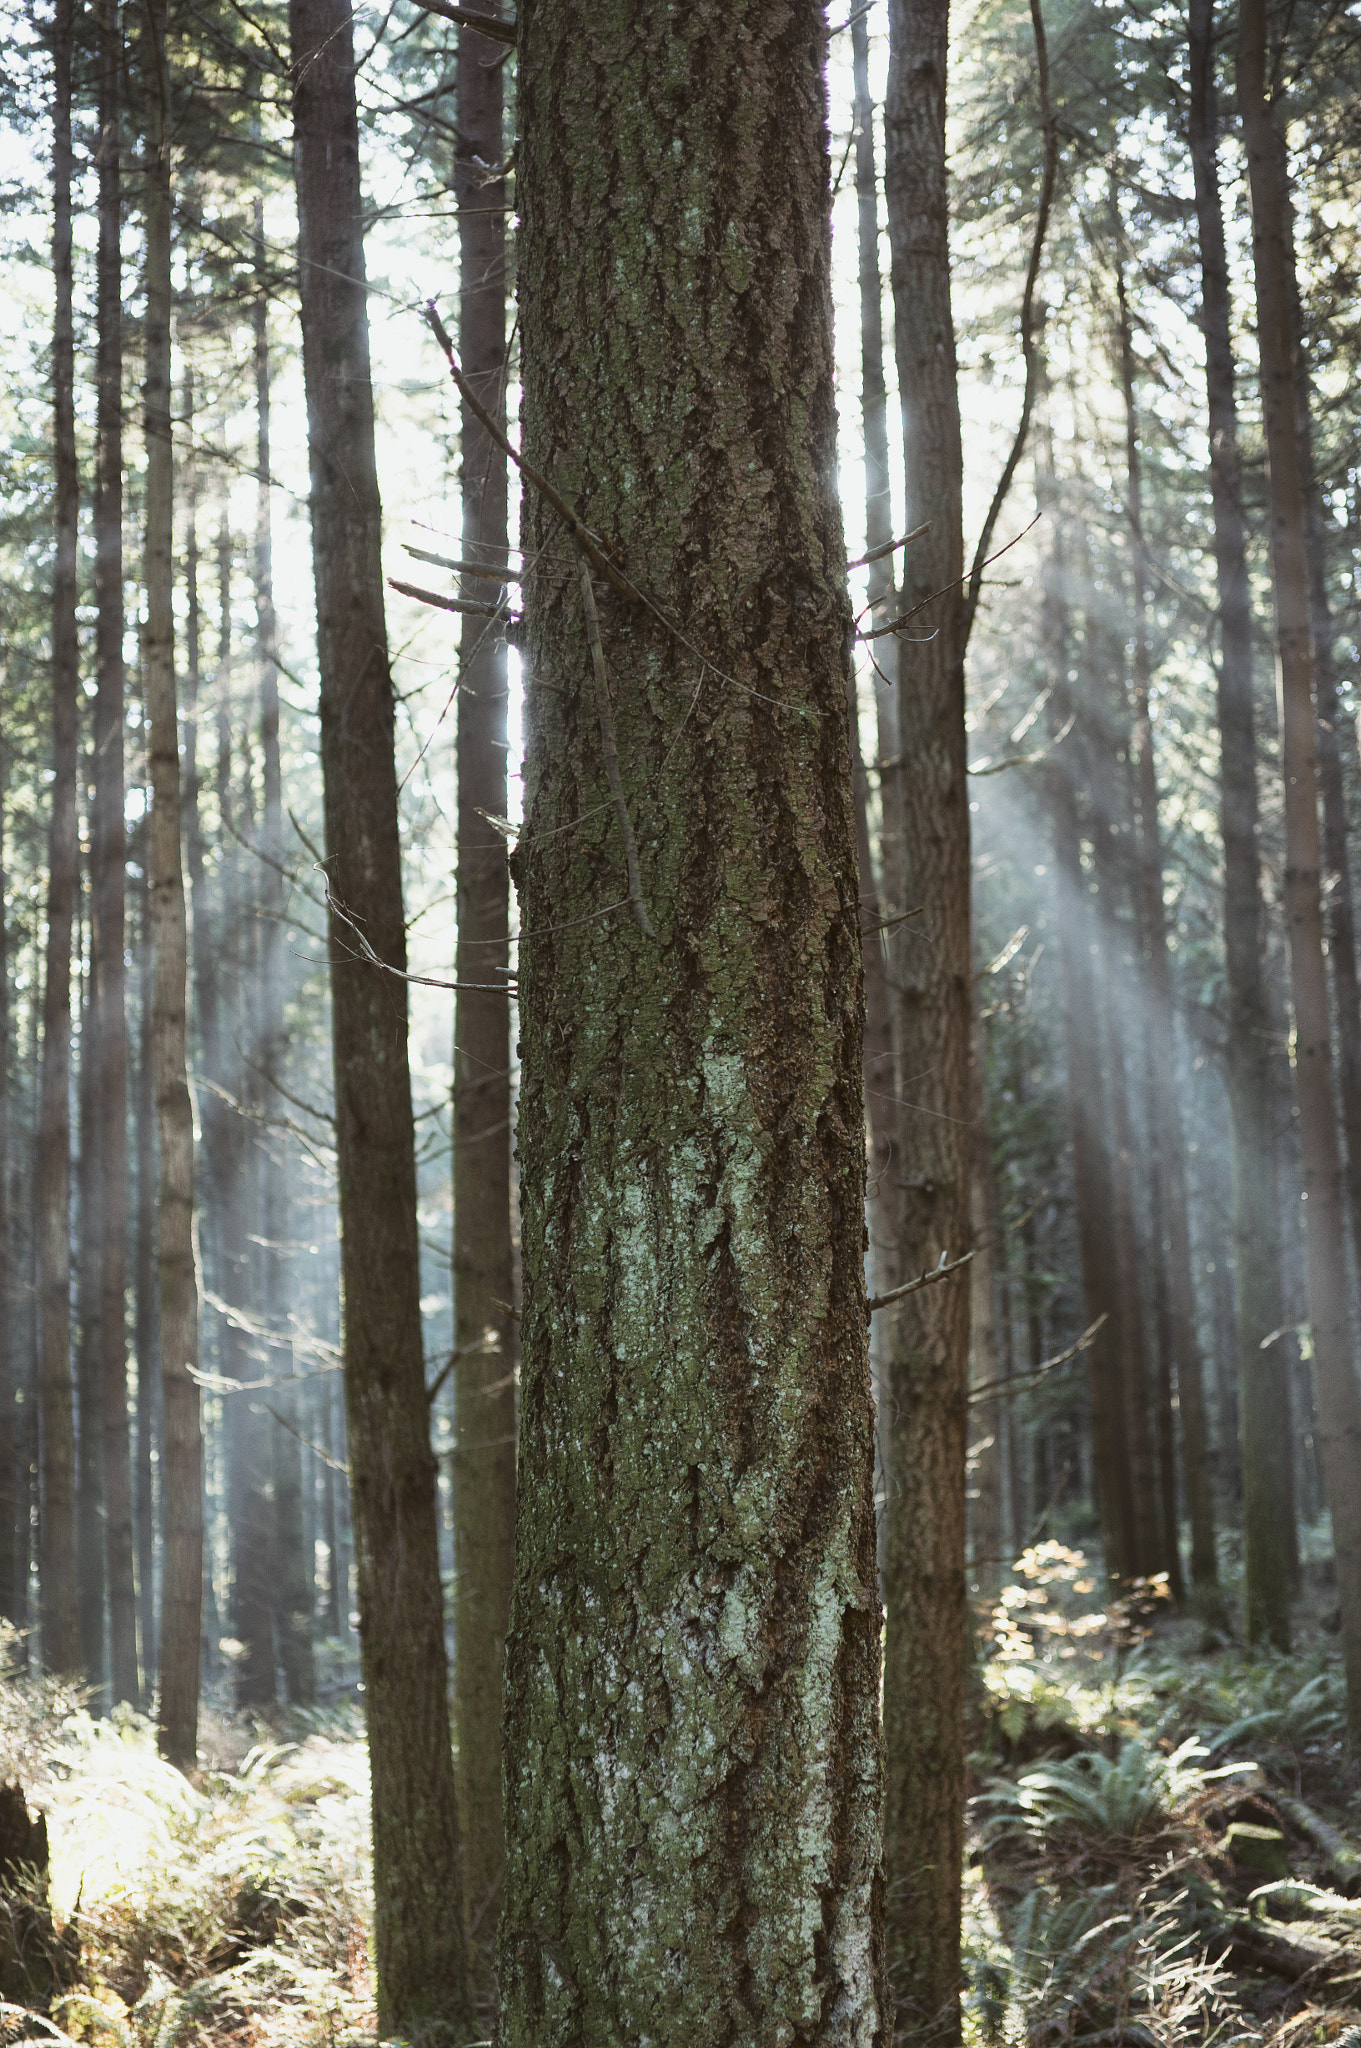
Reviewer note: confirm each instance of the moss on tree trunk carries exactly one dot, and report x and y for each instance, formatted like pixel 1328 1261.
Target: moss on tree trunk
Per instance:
pixel 692 1741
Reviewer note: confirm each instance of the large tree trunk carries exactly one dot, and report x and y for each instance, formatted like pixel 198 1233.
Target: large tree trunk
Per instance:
pixel 1167 1164
pixel 692 1741
pixel 108 870
pixel 1268 1524
pixel 60 1615
pixel 292 1578
pixel 182 1448
pixel 484 1328
pixel 1339 1394
pixel 925 1644
pixel 420 1938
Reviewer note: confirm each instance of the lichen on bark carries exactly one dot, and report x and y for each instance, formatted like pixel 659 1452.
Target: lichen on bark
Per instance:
pixel 693 1758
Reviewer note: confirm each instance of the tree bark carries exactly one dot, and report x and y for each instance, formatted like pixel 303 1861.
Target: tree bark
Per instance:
pixel 692 1743
pixel 1268 1524
pixel 1339 1393
pixel 878 905
pixel 292 1577
pixel 60 1616
pixel 421 1947
pixel 929 1343
pixel 108 871
pixel 182 1454
pixel 1167 1163
pixel 484 1328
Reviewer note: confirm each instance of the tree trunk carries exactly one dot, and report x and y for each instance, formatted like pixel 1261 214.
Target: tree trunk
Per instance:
pixel 1339 1394
pixel 147 1325
pixel 1167 1162
pixel 1086 1087
pixel 60 1614
pixel 1103 732
pixel 108 870
pixel 90 1555
pixel 292 1577
pixel 422 1963
pixel 1263 1382
pixel 925 1643
pixel 9 1305
pixel 692 1743
pixel 182 1453
pixel 484 1328
pixel 879 906
pixel 985 1417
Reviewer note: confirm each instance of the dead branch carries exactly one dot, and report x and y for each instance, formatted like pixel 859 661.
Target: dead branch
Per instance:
pixel 463 17
pixel 927 1279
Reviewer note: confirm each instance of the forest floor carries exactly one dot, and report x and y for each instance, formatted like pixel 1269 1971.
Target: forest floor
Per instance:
pixel 1164 1848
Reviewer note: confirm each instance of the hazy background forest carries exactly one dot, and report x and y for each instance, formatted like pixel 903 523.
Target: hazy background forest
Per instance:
pixel 1117 1422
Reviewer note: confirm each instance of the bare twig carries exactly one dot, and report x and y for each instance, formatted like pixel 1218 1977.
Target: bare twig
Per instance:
pixel 487 1343
pixel 461 568
pixel 890 547
pixel 1021 1382
pixel 575 524
pixel 896 625
pixel 475 605
pixel 336 1464
pixel 463 17
pixel 927 1279
pixel 1030 348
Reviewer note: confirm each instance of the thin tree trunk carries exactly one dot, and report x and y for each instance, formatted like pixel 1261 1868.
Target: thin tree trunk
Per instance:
pixel 1268 1523
pixel 57 1576
pixel 9 1306
pixel 90 1555
pixel 146 1327
pixel 108 871
pixel 879 906
pixel 1339 1393
pixel 925 1642
pixel 292 1577
pixel 420 1939
pixel 985 1417
pixel 182 1456
pixel 695 1553
pixel 484 1328
pixel 1168 1155
pixel 1086 1088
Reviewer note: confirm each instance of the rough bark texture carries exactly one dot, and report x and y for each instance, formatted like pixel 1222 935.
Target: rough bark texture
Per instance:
pixel 925 1645
pixel 60 1617
pixel 182 1447
pixel 108 870
pixel 1179 1347
pixel 1339 1393
pixel 420 1942
pixel 484 1328
pixel 1263 1375
pixel 692 1743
